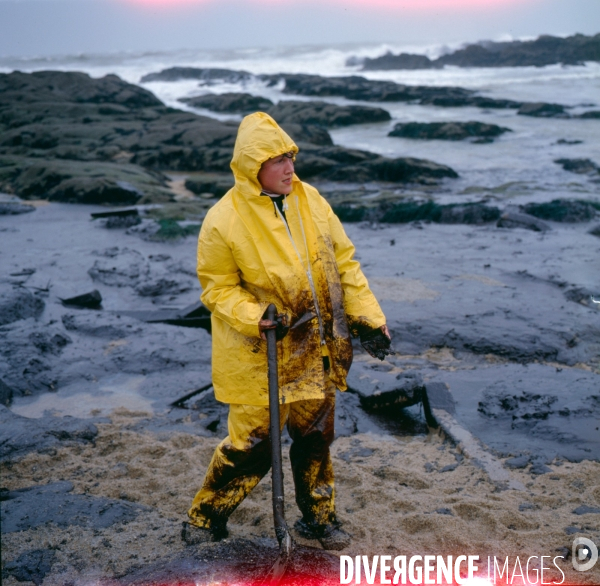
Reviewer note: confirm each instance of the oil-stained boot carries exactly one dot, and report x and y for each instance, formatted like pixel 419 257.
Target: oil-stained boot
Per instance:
pixel 193 535
pixel 330 536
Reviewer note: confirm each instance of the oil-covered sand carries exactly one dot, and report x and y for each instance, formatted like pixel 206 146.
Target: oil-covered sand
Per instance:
pixel 115 467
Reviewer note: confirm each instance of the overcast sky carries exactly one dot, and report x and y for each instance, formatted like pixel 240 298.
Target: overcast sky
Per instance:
pixel 50 27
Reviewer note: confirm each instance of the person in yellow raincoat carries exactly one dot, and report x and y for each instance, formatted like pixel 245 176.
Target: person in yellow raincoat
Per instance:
pixel 274 239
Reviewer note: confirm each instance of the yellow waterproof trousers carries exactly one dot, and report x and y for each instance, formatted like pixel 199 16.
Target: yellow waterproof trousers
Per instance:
pixel 244 457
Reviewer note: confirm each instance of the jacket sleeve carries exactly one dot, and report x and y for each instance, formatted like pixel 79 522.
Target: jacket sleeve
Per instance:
pixel 359 302
pixel 219 278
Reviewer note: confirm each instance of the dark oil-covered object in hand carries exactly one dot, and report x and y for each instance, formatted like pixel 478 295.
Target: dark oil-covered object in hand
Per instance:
pixel 282 327
pixel 376 343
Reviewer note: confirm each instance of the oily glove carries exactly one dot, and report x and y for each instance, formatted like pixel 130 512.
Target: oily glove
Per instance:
pixel 377 342
pixel 280 325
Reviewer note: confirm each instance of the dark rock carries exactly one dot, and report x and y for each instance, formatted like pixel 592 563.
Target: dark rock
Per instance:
pixel 308 133
pixel 407 169
pixel 449 467
pixel 542 110
pixel 326 114
pixel 217 185
pixel 447 130
pixel 21 435
pixel 35 506
pixel 518 463
pixel 122 267
pixel 119 213
pixel 193 316
pixel 18 303
pixel 205 75
pixel 122 222
pixel 526 506
pixel 95 190
pixel 590 115
pixel 31 566
pixel 359 88
pixel 400 61
pixel 565 141
pixel 516 220
pixel 562 210
pixel 231 103
pixel 573 530
pixel 48 342
pixel 121 218
pixel 72 181
pixel 115 152
pixel 414 211
pixel 101 325
pixel 378 389
pixel 583 166
pixel 444 511
pixel 362 89
pixel 78 87
pixel 471 213
pixel 162 286
pixel 545 50
pixel 6 394
pixel 595 231
pixel 586 510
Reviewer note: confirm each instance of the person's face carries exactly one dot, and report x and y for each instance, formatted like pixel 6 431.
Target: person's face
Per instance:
pixel 276 174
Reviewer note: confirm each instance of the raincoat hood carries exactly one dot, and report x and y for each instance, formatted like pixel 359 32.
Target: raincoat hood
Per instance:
pixel 259 139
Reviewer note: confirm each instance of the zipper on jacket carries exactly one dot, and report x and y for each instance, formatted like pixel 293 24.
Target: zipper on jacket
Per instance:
pixel 307 270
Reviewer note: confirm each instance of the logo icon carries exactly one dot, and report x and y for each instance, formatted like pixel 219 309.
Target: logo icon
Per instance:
pixel 584 554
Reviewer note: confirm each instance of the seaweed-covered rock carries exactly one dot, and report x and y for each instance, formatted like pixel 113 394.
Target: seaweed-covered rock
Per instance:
pixel 562 210
pixel 205 75
pixel 542 110
pixel 232 103
pixel 545 50
pixel 448 130
pixel 471 213
pixel 581 166
pixel 590 115
pixel 326 114
pixel 68 137
pixel 73 86
pixel 216 184
pixel 415 211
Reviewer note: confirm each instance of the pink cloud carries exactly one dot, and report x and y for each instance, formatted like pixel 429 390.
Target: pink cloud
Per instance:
pixel 395 5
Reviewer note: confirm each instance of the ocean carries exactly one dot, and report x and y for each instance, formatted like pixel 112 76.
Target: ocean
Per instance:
pixel 517 167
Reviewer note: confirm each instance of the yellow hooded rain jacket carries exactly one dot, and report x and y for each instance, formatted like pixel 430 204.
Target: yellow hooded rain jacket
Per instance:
pixel 249 257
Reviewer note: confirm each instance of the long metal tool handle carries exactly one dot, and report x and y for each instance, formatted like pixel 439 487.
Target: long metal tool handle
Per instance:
pixel 281 529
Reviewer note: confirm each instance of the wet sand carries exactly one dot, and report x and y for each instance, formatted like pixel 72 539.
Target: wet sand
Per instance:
pixel 386 496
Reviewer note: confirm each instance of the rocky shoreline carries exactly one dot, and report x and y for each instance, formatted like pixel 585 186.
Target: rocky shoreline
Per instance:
pixel 545 50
